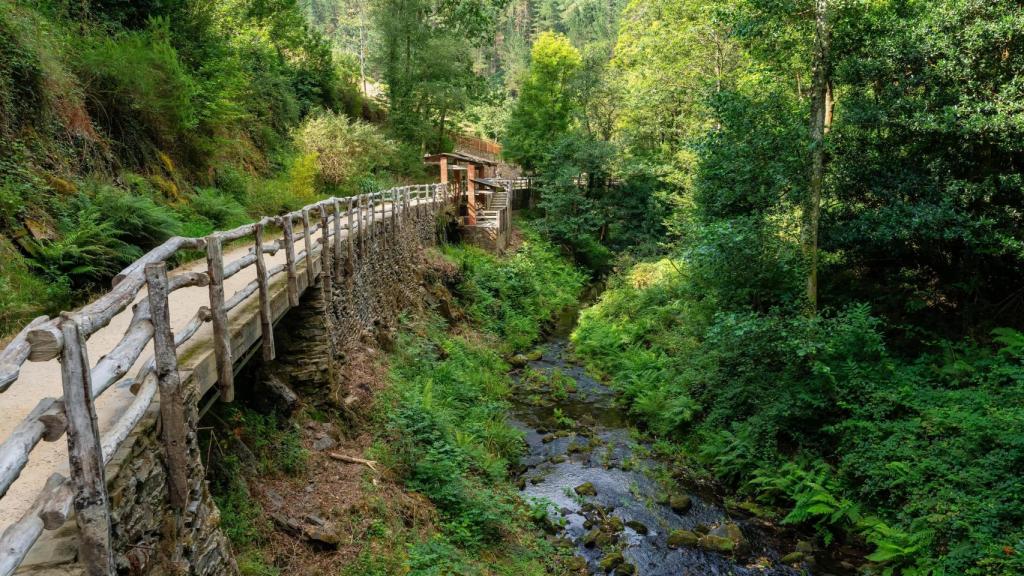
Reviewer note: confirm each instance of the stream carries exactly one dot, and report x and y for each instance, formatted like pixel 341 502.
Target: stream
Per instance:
pixel 606 494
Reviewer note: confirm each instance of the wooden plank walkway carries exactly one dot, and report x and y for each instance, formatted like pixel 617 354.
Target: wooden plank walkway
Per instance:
pixel 217 309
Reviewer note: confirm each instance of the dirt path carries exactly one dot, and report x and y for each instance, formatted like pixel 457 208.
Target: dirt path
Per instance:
pixel 41 379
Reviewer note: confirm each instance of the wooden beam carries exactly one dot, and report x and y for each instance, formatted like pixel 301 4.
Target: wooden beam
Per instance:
pixel 326 259
pixel 266 320
pixel 308 241
pixel 85 455
pixel 15 354
pixel 337 240
pixel 471 196
pixel 289 254
pixel 221 333
pixel 173 424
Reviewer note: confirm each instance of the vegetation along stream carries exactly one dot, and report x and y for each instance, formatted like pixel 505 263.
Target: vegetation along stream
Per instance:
pixel 603 489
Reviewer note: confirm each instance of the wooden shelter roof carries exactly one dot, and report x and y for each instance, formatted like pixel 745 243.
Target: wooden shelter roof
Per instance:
pixel 457 157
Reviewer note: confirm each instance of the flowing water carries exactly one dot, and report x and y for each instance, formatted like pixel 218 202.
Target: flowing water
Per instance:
pixel 577 435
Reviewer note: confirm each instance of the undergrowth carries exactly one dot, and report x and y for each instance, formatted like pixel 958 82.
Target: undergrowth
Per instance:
pixel 123 124
pixel 514 297
pixel 918 456
pixel 445 434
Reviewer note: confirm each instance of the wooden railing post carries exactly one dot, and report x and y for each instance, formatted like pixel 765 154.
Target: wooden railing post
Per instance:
pixel 337 240
pixel 326 259
pixel 307 241
pixel 85 455
pixel 173 423
pixel 289 256
pixel 266 321
pixel 373 217
pixel 351 230
pixel 219 315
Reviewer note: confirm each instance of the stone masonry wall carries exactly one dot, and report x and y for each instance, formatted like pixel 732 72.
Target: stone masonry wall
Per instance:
pixel 382 276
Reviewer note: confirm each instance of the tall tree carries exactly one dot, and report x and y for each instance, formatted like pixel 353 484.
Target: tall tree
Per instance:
pixel 821 122
pixel 547 103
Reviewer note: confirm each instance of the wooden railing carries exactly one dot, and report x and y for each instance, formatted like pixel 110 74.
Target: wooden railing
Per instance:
pixel 89 448
pixel 478 146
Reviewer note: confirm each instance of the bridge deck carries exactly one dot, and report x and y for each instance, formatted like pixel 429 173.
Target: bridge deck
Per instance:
pixel 196 358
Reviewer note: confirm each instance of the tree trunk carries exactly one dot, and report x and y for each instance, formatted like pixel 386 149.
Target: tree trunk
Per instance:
pixel 821 119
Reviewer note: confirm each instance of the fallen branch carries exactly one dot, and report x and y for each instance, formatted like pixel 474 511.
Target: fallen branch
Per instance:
pixel 371 464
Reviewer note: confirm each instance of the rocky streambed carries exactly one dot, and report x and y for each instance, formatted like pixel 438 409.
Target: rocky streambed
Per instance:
pixel 615 503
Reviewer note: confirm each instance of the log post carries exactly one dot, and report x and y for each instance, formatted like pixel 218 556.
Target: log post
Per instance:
pixel 289 255
pixel 351 235
pixel 326 274
pixel 266 321
pixel 173 424
pixel 383 210
pixel 221 334
pixel 359 219
pixel 307 240
pixel 471 194
pixel 337 240
pixel 85 456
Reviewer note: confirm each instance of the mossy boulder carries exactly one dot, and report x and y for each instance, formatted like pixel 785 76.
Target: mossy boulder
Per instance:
pixel 519 360
pixel 586 489
pixel 535 354
pixel 625 569
pixel 723 538
pixel 715 543
pixel 680 538
pixel 597 538
pixel 611 561
pixel 637 527
pixel 614 525
pixel 680 503
pixel 793 558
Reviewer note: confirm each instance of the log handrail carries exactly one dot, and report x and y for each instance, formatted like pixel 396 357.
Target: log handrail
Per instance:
pixel 45 339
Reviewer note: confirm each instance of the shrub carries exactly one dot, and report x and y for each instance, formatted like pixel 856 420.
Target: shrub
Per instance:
pixel 87 252
pixel 816 414
pixel 514 297
pixel 221 210
pixel 138 87
pixel 136 220
pixel 345 150
pixel 24 295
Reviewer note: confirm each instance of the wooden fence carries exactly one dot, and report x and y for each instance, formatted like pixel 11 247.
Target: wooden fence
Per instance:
pixel 89 449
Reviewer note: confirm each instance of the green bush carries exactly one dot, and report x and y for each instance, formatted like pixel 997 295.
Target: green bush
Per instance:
pixel 515 296
pixel 221 210
pixel 817 415
pixel 136 220
pixel 24 295
pixel 138 87
pixel 449 436
pixel 87 253
pixel 345 150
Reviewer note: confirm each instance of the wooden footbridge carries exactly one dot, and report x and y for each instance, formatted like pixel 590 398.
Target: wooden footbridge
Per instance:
pixel 145 351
